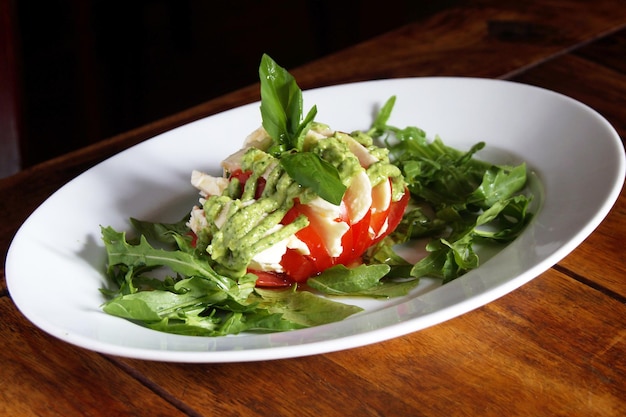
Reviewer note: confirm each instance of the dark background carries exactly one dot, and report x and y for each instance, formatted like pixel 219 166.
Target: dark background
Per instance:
pixel 94 68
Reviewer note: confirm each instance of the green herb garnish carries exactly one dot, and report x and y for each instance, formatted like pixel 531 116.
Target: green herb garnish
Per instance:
pixel 281 111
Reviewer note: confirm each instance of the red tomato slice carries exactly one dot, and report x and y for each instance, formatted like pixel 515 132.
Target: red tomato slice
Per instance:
pixel 240 175
pixel 194 238
pixel 308 235
pixel 297 266
pixel 361 239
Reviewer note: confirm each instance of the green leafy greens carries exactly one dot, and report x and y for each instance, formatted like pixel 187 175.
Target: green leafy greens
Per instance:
pixel 163 280
pixel 194 300
pixel 473 201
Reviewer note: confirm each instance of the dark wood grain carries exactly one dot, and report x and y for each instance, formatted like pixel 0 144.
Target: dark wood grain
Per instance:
pixel 591 82
pixel 556 346
pixel 42 376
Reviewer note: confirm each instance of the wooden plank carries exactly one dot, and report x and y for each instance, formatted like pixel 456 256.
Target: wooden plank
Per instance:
pixel 592 83
pixel 479 38
pixel 600 258
pixel 515 356
pixel 609 51
pixel 43 376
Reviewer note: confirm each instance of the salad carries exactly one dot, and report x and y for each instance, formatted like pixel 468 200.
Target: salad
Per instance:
pixel 304 215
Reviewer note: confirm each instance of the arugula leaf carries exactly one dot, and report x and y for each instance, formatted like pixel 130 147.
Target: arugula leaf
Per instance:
pixel 498 184
pixel 161 232
pixel 156 304
pixel 472 200
pixel 340 280
pixel 199 301
pixel 120 252
pixel 309 170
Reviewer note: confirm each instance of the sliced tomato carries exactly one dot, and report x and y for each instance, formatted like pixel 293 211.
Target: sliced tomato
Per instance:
pixel 308 235
pixel 297 266
pixel 194 239
pixel 361 237
pixel 241 176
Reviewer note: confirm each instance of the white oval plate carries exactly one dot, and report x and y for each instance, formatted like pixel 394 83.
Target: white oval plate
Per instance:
pixel 55 263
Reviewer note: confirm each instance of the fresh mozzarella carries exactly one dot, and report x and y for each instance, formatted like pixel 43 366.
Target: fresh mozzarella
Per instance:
pixel 207 184
pixel 220 219
pixel 259 139
pixel 358 197
pixel 197 221
pixel 323 217
pixel 233 162
pixel 365 157
pixel 269 259
pixel 381 196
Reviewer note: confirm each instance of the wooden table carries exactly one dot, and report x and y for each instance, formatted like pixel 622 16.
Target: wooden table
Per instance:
pixel 556 346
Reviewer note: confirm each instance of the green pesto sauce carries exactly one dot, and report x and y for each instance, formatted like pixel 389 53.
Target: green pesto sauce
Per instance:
pixel 335 150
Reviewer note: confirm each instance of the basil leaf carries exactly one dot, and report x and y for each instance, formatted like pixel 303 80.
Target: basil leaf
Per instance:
pixel 281 101
pixel 281 107
pixel 309 170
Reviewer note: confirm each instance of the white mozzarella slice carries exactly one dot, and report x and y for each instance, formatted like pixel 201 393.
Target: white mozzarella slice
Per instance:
pixel 365 157
pixel 197 221
pixel 381 196
pixel 233 162
pixel 358 197
pixel 259 139
pixel 208 184
pixel 323 217
pixel 221 218
pixel 294 243
pixel 269 259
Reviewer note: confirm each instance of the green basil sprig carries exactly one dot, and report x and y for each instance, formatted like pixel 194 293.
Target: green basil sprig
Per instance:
pixel 281 111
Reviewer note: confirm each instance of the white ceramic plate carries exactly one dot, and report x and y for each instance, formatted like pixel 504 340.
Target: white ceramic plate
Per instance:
pixel 55 264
